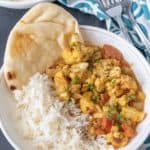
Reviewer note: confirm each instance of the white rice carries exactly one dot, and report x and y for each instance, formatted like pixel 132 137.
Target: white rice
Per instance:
pixel 51 123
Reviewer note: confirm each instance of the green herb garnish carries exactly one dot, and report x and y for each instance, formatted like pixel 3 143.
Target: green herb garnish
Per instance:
pixel 131 97
pixel 118 125
pixel 74 44
pixel 91 87
pixel 102 91
pixel 76 80
pixel 97 61
pixel 95 98
pixel 119 117
pixel 113 81
pixel 109 115
pixel 111 112
pixel 68 88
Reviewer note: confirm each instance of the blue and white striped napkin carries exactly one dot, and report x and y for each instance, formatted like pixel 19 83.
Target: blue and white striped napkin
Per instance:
pixel 141 12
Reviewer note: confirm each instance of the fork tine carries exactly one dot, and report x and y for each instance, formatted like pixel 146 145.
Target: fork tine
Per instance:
pixel 112 1
pixel 117 1
pixel 108 3
pixel 104 3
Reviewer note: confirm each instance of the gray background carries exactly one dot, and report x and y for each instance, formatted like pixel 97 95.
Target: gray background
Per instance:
pixel 8 17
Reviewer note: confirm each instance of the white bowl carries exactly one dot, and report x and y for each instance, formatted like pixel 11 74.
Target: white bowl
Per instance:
pixel 20 4
pixel 98 36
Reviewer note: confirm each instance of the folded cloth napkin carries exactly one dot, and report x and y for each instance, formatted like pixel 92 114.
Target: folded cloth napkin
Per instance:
pixel 140 10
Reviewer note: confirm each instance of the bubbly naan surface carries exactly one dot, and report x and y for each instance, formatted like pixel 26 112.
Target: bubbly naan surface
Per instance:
pixel 36 41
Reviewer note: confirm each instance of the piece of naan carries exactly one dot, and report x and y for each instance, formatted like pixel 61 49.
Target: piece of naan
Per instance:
pixel 36 42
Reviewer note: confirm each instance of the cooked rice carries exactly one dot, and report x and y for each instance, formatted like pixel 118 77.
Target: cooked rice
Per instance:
pixel 51 123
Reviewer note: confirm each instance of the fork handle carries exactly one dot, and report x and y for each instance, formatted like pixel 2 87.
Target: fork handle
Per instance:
pixel 142 36
pixel 144 39
pixel 123 28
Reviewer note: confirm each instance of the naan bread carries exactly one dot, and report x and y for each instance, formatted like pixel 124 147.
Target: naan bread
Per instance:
pixel 36 41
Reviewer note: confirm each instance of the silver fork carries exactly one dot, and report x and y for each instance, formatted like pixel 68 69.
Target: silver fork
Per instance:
pixel 114 9
pixel 126 4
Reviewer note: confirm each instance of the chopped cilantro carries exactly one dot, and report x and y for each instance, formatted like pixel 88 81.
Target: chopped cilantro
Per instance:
pixel 131 97
pixel 91 87
pixel 102 91
pixel 95 98
pixel 119 117
pixel 76 80
pixel 113 81
pixel 111 112
pixel 113 109
pixel 68 88
pixel 109 115
pixel 118 125
pixel 74 44
pixel 97 61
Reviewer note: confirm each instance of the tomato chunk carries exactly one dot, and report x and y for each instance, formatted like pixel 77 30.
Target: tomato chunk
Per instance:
pixel 112 52
pixel 99 131
pixel 91 111
pixel 104 98
pixel 124 63
pixel 129 131
pixel 106 124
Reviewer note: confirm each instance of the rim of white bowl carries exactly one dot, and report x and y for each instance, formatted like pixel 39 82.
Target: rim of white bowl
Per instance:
pixel 133 50
pixel 21 4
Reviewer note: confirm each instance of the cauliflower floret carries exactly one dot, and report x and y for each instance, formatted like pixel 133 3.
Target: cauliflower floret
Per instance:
pixel 79 67
pixel 113 88
pixel 133 114
pixel 115 72
pixel 117 138
pixel 75 38
pixel 122 100
pixel 128 82
pixel 99 84
pixel 110 62
pixel 141 96
pixel 91 79
pixel 86 103
pixel 72 56
pixel 61 85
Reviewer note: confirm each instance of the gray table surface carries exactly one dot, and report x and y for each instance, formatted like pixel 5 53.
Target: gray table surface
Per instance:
pixel 8 18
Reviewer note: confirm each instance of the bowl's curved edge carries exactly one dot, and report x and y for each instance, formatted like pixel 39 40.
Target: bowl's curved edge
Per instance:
pixel 145 63
pixel 2 127
pixel 138 54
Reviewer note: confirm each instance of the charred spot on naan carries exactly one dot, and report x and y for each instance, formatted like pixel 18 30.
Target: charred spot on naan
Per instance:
pixel 11 75
pixel 12 87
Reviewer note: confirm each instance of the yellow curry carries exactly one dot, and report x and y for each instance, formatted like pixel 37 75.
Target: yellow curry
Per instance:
pixel 104 86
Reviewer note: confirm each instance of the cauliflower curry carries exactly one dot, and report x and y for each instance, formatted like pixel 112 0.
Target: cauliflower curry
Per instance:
pixel 104 86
